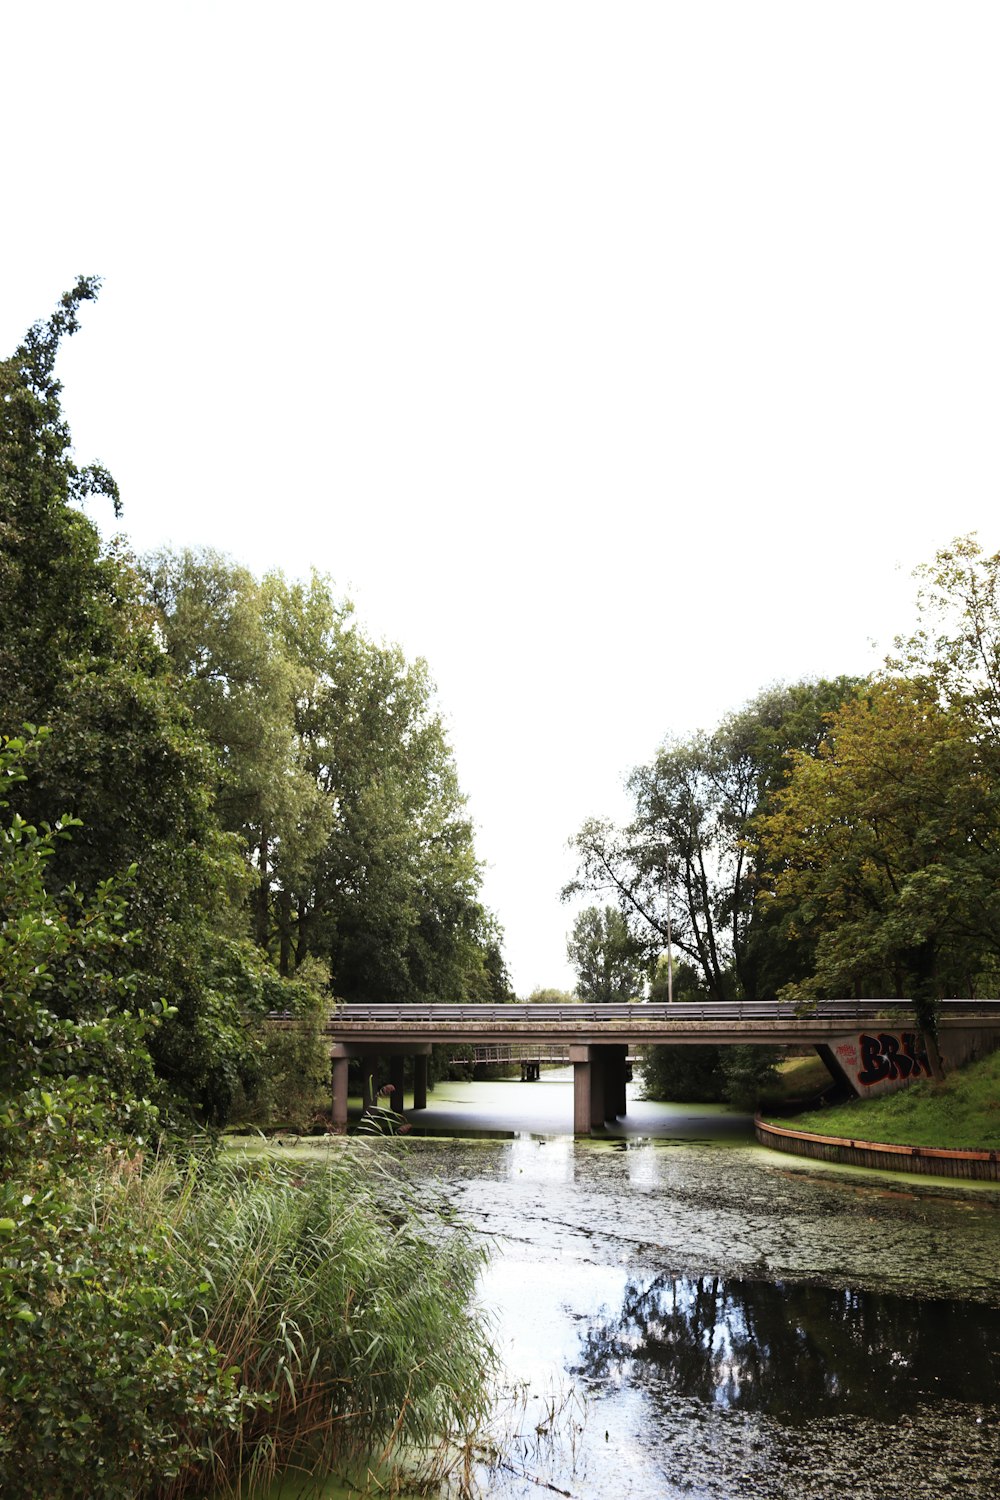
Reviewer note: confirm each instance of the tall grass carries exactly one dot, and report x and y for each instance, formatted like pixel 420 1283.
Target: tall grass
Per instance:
pixel 345 1300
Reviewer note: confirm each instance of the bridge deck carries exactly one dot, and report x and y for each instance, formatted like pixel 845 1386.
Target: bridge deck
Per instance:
pixel 747 1022
pixel 599 1036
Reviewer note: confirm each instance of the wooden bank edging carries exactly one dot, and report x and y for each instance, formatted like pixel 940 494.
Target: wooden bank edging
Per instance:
pixel 978 1166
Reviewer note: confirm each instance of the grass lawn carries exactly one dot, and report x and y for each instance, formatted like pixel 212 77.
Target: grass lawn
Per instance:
pixel 963 1112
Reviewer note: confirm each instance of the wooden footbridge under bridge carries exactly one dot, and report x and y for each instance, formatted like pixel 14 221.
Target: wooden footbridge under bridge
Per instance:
pixel 528 1056
pixel 597 1038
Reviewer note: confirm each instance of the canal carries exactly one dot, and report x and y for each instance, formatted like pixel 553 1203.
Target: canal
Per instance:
pixel 685 1314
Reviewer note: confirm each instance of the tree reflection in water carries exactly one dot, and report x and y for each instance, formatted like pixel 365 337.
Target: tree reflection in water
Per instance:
pixel 794 1351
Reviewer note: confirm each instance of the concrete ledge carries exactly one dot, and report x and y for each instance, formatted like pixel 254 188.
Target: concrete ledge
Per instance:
pixel 977 1166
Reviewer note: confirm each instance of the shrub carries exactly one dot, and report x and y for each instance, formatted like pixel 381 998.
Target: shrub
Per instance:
pixel 105 1383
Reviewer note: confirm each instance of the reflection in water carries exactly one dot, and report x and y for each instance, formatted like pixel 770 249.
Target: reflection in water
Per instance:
pixel 541 1160
pixel 794 1351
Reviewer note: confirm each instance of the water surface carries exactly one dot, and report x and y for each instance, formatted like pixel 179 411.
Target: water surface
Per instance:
pixel 683 1313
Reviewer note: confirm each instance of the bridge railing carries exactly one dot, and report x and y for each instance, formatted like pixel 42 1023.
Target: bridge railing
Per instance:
pixel 514 1052
pixel 865 1011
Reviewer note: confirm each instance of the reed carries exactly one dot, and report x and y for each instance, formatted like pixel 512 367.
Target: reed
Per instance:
pixel 346 1302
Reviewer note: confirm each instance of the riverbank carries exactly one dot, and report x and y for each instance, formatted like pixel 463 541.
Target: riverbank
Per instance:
pixel 972 1166
pixel 962 1113
pixel 950 1128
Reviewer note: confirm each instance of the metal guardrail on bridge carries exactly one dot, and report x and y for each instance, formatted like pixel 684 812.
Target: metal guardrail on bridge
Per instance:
pixel 644 1012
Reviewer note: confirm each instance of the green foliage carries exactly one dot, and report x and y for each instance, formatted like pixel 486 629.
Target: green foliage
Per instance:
pixel 748 1072
pixel 343 1297
pixel 683 1075
pixel 106 1387
pixel 73 1057
pixel 58 594
pixel 885 850
pixel 956 647
pixel 739 1076
pixel 80 653
pixel 293 1082
pixel 687 981
pixel 236 666
pixel 129 1295
pixel 124 757
pixel 166 1331
pixel 334 770
pixel 688 867
pixel 607 959
pixel 94 1398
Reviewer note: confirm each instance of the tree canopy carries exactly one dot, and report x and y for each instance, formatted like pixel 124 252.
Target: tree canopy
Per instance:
pixel 836 837
pixel 884 850
pixel 279 786
pixel 607 959
pixel 689 865
pixel 334 770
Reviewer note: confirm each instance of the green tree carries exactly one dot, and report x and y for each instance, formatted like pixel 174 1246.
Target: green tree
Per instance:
pixel 687 981
pixel 104 1382
pixel 606 957
pixel 74 1064
pixel 956 646
pixel 334 770
pixel 234 654
pixel 60 594
pixel 80 653
pixel 687 869
pixel 885 850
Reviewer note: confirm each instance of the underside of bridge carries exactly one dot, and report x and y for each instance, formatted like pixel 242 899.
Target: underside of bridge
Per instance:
pixel 383 1062
pixel 599 1076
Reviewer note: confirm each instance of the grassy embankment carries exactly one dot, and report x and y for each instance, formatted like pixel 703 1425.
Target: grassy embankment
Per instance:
pixel 962 1113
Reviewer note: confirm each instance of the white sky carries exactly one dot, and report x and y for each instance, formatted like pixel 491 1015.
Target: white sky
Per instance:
pixel 617 358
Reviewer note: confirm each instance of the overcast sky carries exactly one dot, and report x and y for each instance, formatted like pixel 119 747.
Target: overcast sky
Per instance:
pixel 619 359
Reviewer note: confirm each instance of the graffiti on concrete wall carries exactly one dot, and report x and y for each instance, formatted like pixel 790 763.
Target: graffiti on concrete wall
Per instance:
pixel 878 1062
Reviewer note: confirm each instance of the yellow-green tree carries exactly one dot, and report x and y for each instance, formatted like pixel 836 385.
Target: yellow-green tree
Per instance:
pixel 884 850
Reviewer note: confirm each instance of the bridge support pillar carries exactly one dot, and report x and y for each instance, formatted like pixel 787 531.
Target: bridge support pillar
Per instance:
pixel 580 1058
pixel 420 1082
pixel 338 1071
pixel 397 1077
pixel 370 1066
pixel 598 1085
pixel 614 1085
pixel 384 1065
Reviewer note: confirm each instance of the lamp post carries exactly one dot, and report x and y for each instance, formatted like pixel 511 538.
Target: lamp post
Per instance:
pixel 670 951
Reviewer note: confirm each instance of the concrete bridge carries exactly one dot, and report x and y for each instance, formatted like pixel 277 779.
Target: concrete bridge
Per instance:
pixel 870 1044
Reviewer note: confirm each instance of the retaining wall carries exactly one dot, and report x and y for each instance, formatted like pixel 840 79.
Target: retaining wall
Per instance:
pixel 978 1166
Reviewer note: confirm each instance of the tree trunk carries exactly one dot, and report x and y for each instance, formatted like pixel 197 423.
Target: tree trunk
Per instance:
pixel 263 896
pixel 285 931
